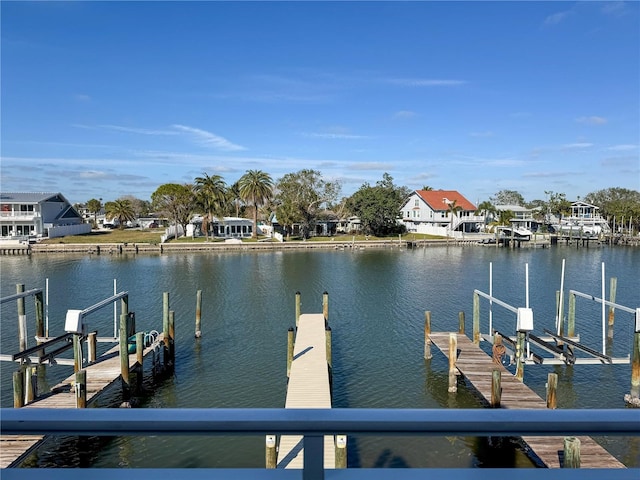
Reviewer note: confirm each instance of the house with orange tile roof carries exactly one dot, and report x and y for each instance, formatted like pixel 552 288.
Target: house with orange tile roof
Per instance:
pixel 440 212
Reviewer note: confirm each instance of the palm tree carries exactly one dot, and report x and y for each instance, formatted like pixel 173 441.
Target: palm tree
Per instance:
pixel 94 206
pixel 120 209
pixel 211 192
pixel 453 209
pixel 233 198
pixel 485 209
pixel 255 187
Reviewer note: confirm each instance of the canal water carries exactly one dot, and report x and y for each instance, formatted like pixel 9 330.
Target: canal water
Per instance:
pixel 377 300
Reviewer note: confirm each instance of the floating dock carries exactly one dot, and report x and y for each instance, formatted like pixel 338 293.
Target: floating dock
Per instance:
pixel 308 387
pixel 477 367
pixel 101 376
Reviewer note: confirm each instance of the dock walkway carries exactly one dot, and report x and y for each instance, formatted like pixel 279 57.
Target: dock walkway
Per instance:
pixel 101 375
pixel 308 387
pixel 477 367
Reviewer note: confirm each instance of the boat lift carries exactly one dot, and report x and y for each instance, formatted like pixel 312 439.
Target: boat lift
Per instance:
pixel 560 346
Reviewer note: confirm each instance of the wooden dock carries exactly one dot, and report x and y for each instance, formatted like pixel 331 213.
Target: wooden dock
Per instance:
pixel 308 387
pixel 477 367
pixel 101 375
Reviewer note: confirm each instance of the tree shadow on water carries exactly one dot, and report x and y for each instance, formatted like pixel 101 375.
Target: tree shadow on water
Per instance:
pixel 388 460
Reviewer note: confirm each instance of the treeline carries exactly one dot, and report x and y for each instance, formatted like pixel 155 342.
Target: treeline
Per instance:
pixel 304 197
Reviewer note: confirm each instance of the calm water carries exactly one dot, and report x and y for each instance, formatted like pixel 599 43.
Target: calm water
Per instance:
pixel 377 300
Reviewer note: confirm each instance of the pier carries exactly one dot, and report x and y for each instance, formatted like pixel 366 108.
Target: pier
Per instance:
pixel 478 367
pixel 308 387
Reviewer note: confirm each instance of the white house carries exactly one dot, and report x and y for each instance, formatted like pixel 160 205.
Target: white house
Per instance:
pixel 24 215
pixel 227 227
pixel 440 212
pixel 523 217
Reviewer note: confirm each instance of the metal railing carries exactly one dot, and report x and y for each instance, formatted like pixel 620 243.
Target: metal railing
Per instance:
pixel 313 424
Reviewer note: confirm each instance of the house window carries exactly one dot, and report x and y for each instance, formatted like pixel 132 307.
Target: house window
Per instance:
pixel 417 203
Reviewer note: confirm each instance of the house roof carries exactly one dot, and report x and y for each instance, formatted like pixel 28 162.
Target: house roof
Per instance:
pixel 30 197
pixel 441 199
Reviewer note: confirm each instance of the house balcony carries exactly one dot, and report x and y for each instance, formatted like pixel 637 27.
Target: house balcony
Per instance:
pixel 19 216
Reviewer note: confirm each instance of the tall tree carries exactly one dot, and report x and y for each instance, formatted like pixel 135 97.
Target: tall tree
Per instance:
pixel 507 197
pixel 300 197
pixel 211 193
pixel 378 207
pixel 617 202
pixel 140 207
pixel 255 187
pixel 176 202
pixel 94 206
pixel 233 200
pixel 558 205
pixel 120 209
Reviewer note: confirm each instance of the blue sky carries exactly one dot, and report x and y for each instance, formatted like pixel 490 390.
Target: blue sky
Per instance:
pixel 104 99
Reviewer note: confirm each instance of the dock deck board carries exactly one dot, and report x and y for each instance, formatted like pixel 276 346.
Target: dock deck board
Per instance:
pixel 476 366
pixel 101 375
pixel 308 387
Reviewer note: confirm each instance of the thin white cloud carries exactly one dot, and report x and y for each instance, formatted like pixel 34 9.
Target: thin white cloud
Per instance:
pixel 403 114
pixel 209 139
pixel 142 131
pixel 592 120
pixel 557 18
pixel 579 145
pixel 81 97
pixel 623 148
pixel 425 82
pixel 615 8
pixel 371 166
pixel 336 136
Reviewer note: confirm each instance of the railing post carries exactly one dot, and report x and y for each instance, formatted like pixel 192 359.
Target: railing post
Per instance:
pixel 613 282
pixel 290 344
pixel 496 388
pixel 92 346
pixel 341 451
pixel 124 356
pixel 571 452
pixel 571 327
pixel 139 360
pixel 81 389
pixel 520 356
pixel 22 319
pixel 18 388
pixel 325 306
pixel 313 457
pixel 461 323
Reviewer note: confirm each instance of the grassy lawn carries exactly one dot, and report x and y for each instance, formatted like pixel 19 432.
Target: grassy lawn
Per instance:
pixel 153 236
pixel 113 236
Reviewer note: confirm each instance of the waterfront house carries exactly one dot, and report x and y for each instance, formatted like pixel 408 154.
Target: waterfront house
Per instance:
pixel 227 227
pixel 523 217
pixel 28 216
pixel 439 212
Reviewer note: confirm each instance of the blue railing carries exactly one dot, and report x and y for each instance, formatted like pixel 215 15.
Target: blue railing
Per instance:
pixel 314 424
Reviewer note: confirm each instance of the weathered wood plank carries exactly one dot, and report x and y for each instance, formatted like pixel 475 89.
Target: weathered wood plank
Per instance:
pixel 477 367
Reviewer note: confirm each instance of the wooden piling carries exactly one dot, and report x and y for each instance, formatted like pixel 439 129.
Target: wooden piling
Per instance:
pixel 520 356
pixel 325 306
pixel 496 388
pixel 453 353
pixel 613 282
pixel 427 336
pixel 289 350
pixel 271 456
pixel 571 326
pixel 341 451
pixel 77 353
pixel 298 307
pixel 172 337
pixel 92 344
pixel 124 304
pixel 476 319
pixel 571 452
pixel 18 388
pixel 22 319
pixel 81 389
pixel 552 388
pixel 461 323
pixel 198 313
pixel 30 384
pixel 39 303
pixel 124 356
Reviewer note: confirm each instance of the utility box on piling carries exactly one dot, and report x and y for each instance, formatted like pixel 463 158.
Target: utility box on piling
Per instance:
pixel 73 322
pixel 525 320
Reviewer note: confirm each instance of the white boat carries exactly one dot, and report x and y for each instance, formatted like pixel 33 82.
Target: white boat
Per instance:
pixel 584 222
